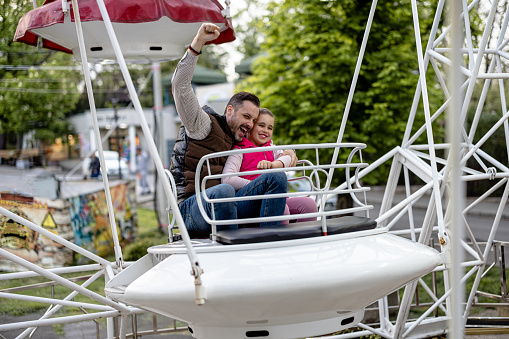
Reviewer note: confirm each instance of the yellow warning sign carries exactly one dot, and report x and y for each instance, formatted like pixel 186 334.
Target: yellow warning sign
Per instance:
pixel 49 221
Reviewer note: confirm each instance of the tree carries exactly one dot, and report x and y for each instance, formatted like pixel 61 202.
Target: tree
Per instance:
pixel 110 79
pixel 35 99
pixel 310 52
pixel 496 145
pixel 248 28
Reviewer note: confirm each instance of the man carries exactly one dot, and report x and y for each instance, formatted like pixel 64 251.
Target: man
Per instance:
pixel 95 166
pixel 204 132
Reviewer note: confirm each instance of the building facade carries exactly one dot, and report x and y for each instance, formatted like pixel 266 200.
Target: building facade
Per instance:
pixel 121 131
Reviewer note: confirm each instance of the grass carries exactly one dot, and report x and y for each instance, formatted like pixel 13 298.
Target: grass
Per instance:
pixel 149 234
pixel 19 308
pixel 489 283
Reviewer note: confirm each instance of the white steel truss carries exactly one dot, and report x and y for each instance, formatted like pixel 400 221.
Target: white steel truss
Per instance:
pixel 435 173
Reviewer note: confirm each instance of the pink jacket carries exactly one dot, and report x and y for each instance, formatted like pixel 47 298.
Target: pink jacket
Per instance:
pixel 235 163
pixel 251 160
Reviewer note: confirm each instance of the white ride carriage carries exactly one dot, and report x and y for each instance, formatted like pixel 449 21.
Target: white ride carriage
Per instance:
pixel 302 279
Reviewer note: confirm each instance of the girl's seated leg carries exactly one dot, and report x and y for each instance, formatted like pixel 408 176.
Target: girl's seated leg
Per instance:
pixel 287 212
pixel 300 205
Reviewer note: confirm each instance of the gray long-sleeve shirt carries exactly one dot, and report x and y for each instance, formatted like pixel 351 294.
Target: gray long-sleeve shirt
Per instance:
pixel 193 117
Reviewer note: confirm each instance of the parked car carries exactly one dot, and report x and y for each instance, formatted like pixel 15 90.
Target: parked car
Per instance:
pixel 111 159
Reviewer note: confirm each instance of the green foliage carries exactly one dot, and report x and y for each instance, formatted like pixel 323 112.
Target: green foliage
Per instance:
pixel 33 99
pixel 492 112
pixel 149 234
pixel 310 52
pixel 249 32
pixel 495 146
pixel 138 249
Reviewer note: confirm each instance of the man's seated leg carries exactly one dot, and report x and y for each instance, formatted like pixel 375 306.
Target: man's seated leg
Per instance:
pixel 196 224
pixel 266 183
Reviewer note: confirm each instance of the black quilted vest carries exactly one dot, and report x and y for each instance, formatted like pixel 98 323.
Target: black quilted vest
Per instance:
pixel 188 152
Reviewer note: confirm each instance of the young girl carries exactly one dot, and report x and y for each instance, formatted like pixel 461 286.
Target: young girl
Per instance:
pixel 260 135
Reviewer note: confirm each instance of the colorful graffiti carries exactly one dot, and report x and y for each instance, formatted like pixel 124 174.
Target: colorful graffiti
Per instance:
pixel 83 219
pixel 23 241
pixel 90 219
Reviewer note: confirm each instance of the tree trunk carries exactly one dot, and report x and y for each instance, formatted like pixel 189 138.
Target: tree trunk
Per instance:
pixel 42 152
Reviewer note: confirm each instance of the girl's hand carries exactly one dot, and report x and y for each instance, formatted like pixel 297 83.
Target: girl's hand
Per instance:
pixel 264 164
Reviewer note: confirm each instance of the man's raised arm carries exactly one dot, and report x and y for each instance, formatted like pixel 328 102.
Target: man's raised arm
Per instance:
pixel 195 120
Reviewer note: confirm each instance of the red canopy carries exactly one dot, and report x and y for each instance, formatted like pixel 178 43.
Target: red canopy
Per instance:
pixel 39 23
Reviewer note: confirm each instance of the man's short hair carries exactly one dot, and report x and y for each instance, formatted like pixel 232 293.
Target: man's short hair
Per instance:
pixel 237 100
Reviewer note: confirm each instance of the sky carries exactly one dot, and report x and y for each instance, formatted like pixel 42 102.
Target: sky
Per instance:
pixel 232 48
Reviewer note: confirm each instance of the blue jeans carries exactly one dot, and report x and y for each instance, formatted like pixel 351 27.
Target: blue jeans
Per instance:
pixel 267 183
pixel 195 224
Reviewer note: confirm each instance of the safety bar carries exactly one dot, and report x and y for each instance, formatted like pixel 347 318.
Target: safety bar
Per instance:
pixel 172 221
pixel 310 172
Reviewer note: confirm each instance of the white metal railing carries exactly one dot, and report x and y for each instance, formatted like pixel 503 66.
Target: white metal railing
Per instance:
pixel 310 173
pixel 172 221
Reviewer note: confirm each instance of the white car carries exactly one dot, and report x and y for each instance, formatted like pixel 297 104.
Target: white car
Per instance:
pixel 112 165
pixel 304 185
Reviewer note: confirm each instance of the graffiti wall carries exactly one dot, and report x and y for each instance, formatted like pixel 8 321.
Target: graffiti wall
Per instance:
pixel 90 219
pixel 82 219
pixel 29 244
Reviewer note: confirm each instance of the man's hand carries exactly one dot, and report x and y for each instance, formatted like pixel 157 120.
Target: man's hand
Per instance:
pixel 206 33
pixel 292 154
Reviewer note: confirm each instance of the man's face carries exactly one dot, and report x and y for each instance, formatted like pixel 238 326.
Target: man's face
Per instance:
pixel 241 120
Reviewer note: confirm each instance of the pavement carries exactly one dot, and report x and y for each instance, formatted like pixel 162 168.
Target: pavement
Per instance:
pixel 54 182
pixel 39 181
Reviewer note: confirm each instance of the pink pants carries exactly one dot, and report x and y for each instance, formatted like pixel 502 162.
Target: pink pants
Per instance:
pixel 299 205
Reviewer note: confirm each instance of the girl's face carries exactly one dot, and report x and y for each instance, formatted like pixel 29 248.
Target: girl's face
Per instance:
pixel 261 132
